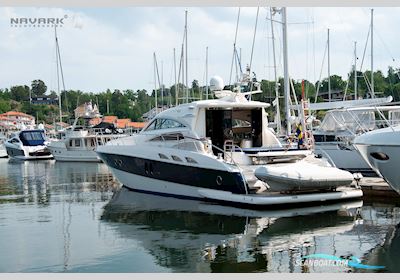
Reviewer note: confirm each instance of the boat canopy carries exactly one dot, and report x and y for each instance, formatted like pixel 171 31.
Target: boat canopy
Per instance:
pixel 359 119
pixel 32 137
pixel 354 121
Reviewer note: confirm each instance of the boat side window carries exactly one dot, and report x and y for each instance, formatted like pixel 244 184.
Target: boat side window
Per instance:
pixel 169 137
pixel 77 142
pixel 163 124
pixel 176 158
pixel 14 140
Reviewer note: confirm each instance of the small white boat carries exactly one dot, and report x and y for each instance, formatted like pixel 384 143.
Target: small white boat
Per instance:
pixel 28 145
pixel 381 149
pixel 303 176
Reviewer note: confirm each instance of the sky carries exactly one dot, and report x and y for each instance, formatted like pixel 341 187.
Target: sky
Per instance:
pixel 112 48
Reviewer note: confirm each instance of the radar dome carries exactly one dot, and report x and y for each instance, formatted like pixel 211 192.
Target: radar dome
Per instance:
pixel 216 83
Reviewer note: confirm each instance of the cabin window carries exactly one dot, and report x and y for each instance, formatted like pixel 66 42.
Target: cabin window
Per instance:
pixel 163 124
pixel 77 142
pixel 168 137
pixel 163 156
pixel 190 160
pixel 176 158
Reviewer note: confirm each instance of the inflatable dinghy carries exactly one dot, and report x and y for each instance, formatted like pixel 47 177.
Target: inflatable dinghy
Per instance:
pixel 302 176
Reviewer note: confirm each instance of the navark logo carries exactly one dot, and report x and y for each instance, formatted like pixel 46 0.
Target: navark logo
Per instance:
pixel 37 21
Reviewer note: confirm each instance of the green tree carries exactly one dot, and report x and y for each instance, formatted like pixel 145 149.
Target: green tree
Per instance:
pixel 19 93
pixel 38 88
pixel 4 106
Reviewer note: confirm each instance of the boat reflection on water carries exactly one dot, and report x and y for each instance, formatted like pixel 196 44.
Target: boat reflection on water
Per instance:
pixel 35 181
pixel 388 253
pixel 186 235
pixel 86 174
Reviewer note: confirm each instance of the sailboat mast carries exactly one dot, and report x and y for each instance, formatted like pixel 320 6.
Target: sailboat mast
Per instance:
pixel 162 85
pixel 186 60
pixel 372 53
pixel 355 70
pixel 155 82
pixel 278 112
pixel 58 75
pixel 176 90
pixel 206 72
pixel 329 70
pixel 286 72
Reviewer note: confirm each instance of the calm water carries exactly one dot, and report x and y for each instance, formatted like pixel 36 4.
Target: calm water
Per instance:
pixel 74 217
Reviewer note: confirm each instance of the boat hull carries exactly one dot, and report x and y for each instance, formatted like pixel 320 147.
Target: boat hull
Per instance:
pixel 344 157
pixel 388 168
pixel 29 154
pixel 164 188
pixel 61 153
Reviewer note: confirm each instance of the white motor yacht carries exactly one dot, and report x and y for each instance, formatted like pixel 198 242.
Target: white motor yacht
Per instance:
pixel 381 149
pixel 28 145
pixel 78 143
pixel 222 150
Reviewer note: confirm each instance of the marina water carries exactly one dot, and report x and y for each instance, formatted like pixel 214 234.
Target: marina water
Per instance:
pixel 75 217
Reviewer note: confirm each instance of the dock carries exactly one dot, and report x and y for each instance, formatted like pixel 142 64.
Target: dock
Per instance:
pixel 376 188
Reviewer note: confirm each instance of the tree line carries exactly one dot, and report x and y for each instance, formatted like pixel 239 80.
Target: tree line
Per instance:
pixel 133 104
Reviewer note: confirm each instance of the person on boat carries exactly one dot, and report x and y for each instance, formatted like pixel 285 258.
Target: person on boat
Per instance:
pixel 299 135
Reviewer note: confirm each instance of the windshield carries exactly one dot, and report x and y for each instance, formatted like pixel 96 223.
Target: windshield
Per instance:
pixel 32 137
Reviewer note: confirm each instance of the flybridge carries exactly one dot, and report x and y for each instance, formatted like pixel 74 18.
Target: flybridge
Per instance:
pixel 38 21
